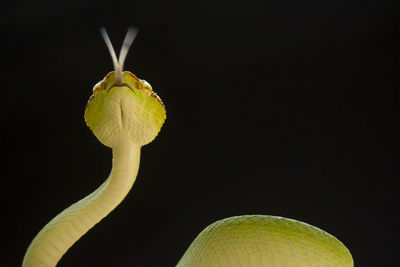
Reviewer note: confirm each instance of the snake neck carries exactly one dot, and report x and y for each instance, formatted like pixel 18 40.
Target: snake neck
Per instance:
pixel 53 241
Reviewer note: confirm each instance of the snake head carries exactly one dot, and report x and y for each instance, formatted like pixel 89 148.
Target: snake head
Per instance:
pixel 124 105
pixel 131 108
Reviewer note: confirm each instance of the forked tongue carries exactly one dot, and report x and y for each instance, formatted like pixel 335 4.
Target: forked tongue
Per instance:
pixel 119 63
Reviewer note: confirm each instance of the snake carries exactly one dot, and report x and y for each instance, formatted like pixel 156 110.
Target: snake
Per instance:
pixel 124 113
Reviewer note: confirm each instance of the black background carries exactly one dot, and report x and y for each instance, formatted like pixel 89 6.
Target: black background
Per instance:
pixel 273 107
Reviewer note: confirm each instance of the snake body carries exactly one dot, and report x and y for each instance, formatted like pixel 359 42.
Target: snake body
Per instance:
pixel 265 241
pixel 65 229
pixel 125 114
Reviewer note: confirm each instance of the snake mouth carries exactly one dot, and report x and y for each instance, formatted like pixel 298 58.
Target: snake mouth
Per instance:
pixel 121 85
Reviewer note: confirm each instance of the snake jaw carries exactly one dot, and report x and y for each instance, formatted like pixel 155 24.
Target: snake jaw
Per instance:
pixel 121 85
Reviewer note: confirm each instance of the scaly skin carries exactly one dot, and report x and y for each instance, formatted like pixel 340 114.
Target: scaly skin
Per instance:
pixel 66 228
pixel 265 241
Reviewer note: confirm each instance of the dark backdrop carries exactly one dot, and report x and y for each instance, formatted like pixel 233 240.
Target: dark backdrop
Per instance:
pixel 277 107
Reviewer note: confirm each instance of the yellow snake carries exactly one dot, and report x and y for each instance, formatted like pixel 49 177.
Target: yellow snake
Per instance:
pixel 125 114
